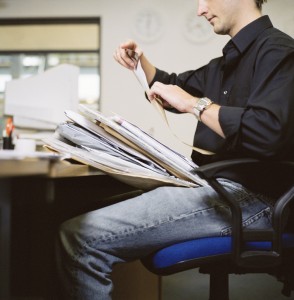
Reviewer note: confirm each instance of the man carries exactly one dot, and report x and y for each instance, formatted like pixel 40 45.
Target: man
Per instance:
pixel 244 102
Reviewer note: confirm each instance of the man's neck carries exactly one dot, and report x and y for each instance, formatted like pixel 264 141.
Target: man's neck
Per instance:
pixel 244 20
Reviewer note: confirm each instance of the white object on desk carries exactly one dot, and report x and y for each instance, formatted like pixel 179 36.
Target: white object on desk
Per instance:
pixel 25 145
pixel 39 101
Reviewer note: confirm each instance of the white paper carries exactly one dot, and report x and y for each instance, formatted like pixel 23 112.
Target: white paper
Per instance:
pixel 126 172
pixel 185 169
pixel 140 74
pixel 82 137
pixel 175 156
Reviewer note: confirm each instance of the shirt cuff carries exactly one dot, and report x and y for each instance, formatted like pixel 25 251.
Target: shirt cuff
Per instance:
pixel 230 119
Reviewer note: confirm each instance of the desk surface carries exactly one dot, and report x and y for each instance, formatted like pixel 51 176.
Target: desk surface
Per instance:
pixel 12 168
pixel 43 167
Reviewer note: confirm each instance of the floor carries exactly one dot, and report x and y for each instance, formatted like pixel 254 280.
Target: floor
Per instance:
pixel 191 285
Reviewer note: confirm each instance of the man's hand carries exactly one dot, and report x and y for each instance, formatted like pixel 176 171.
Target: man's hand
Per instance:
pixel 124 54
pixel 173 96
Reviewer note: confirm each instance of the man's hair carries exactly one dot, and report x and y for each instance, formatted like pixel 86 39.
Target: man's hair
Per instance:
pixel 259 3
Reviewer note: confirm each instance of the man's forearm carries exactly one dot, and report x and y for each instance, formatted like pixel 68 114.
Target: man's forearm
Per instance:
pixel 148 68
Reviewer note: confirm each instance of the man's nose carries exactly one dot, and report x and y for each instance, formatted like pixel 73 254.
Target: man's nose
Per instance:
pixel 202 8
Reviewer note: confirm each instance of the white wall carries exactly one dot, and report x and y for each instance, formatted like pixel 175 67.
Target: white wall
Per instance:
pixel 120 92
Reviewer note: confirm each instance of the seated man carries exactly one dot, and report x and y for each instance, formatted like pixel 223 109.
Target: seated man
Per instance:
pixel 244 103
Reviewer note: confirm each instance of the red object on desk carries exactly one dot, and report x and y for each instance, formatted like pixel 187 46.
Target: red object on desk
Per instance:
pixel 9 127
pixel 7 140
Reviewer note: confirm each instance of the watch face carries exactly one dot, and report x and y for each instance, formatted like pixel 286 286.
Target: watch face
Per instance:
pixel 201 104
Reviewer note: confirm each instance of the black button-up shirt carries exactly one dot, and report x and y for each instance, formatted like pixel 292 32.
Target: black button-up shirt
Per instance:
pixel 254 84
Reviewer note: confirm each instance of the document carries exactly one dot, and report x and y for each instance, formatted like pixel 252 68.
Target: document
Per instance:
pixel 126 172
pixel 169 159
pixel 98 131
pixel 121 149
pixel 89 141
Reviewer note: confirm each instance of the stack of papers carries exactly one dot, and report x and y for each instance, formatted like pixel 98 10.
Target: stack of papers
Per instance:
pixel 122 150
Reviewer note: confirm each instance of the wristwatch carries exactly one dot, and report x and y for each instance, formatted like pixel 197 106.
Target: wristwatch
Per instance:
pixel 201 105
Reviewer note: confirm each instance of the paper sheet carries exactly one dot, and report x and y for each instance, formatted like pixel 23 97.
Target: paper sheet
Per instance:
pixel 84 138
pixel 141 179
pixel 182 170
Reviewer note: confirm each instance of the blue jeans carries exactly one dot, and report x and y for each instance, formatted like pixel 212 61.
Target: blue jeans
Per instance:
pixel 89 245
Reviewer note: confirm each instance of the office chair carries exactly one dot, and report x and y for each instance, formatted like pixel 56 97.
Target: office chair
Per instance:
pixel 245 251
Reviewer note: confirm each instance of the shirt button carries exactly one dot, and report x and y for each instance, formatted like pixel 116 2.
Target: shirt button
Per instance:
pixel 225 92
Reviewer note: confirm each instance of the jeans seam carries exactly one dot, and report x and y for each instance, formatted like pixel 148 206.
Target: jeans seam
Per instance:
pixel 132 231
pixel 264 212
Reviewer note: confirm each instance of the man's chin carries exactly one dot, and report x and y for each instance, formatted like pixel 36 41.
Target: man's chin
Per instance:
pixel 219 30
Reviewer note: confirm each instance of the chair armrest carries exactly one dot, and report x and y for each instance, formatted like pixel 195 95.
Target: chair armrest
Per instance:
pixel 282 172
pixel 216 169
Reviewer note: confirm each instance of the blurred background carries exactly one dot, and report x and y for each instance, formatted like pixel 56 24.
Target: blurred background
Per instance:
pixel 169 32
pixel 171 36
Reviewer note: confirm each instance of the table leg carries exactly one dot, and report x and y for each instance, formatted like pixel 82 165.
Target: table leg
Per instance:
pixel 5 228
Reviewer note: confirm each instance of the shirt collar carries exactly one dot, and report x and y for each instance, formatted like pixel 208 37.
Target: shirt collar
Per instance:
pixel 249 33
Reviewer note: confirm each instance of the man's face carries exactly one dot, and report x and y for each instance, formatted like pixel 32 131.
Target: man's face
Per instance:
pixel 221 14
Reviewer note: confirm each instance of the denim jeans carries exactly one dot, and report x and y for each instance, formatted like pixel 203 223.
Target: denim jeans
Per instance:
pixel 89 245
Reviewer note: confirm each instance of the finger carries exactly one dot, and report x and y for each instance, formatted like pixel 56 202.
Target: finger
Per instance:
pixel 132 46
pixel 129 44
pixel 132 54
pixel 157 89
pixel 150 95
pixel 155 93
pixel 122 58
pixel 129 57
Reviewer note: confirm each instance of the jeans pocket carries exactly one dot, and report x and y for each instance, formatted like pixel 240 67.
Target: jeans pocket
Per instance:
pixel 256 209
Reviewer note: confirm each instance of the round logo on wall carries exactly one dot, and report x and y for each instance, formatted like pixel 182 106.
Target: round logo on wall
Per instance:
pixel 148 25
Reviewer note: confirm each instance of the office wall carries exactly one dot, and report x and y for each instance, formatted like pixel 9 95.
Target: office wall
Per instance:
pixel 172 51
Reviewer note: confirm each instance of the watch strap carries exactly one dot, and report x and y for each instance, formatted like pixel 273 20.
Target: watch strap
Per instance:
pixel 201 105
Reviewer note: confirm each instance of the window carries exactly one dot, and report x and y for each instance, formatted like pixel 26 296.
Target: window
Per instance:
pixel 31 46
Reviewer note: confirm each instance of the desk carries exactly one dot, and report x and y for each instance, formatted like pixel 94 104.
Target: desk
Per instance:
pixel 9 169
pixel 34 200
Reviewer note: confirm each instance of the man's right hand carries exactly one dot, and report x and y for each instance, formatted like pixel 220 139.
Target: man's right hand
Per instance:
pixel 124 54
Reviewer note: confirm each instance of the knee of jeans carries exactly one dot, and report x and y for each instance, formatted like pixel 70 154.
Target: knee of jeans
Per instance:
pixel 67 239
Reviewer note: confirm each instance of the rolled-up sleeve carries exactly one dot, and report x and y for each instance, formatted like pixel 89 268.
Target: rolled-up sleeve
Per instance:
pixel 230 119
pixel 266 124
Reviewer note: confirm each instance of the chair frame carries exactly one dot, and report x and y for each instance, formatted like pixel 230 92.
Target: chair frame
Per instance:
pixel 277 261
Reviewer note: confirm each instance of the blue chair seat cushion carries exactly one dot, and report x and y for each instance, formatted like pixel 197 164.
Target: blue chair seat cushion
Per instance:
pixel 207 247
